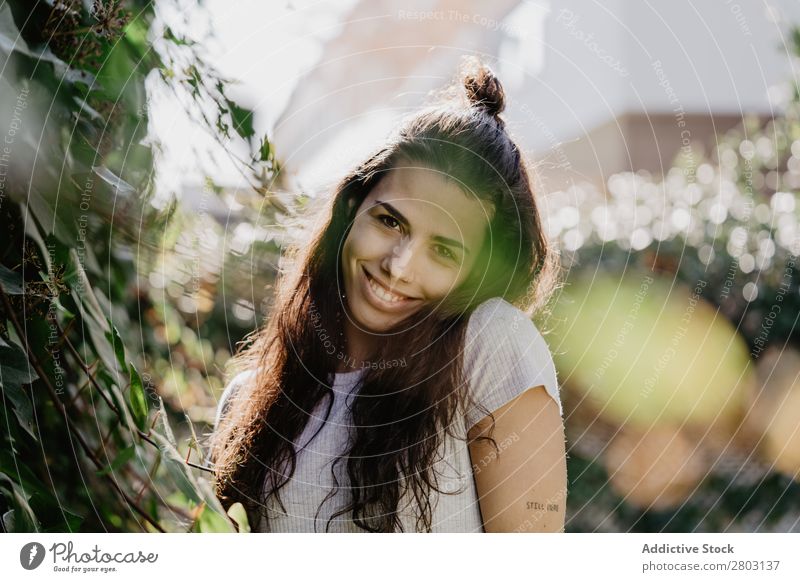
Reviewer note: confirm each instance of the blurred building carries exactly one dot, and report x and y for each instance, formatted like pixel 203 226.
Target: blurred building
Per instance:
pixel 593 88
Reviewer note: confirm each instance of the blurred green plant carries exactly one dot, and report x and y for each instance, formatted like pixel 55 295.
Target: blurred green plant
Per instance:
pixel 725 214
pixel 94 360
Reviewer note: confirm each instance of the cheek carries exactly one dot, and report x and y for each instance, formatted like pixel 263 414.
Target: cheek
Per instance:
pixel 456 275
pixel 353 243
pixel 364 243
pixel 438 282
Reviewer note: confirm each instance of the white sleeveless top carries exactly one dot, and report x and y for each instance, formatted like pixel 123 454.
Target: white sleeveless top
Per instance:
pixel 504 355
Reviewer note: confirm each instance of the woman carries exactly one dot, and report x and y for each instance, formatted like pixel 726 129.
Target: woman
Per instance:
pixel 399 383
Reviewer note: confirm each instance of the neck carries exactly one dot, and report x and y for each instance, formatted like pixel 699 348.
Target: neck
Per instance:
pixel 358 347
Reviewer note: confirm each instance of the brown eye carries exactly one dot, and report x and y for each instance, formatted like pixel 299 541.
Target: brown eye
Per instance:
pixel 388 220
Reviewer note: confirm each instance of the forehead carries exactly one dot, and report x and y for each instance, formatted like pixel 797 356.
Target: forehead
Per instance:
pixel 433 204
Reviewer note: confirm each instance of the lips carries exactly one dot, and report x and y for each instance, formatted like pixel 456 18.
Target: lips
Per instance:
pixel 381 302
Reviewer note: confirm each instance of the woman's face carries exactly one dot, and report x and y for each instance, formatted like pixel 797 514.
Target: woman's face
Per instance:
pixel 415 238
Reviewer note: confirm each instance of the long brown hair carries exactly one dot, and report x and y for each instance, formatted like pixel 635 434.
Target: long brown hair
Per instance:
pixel 401 412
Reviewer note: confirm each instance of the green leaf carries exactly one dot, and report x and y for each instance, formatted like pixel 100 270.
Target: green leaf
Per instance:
pixel 265 150
pixel 66 314
pixel 116 342
pixel 11 40
pixel 55 510
pixel 118 398
pixel 22 475
pixel 9 521
pixel 23 409
pixel 195 442
pixel 137 398
pixel 165 424
pixel 90 112
pixel 136 37
pixel 179 41
pixel 796 40
pixel 16 370
pixel 178 470
pixel 116 186
pixel 86 298
pixel 238 514
pixel 242 119
pixel 209 496
pixel 210 521
pixel 14 365
pixel 23 519
pixel 123 457
pixel 11 281
pixel 57 216
pixel 102 347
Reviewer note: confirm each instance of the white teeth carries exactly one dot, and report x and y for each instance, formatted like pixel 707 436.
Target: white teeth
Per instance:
pixel 382 293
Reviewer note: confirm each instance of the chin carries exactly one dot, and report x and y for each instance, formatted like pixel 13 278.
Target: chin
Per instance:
pixel 371 320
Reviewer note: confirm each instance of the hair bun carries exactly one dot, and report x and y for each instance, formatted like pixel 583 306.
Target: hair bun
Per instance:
pixel 483 88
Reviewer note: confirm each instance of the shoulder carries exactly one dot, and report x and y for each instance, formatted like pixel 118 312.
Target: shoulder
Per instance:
pixel 505 354
pixel 237 382
pixel 496 318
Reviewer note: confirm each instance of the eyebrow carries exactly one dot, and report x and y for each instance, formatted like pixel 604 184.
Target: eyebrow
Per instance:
pixel 399 216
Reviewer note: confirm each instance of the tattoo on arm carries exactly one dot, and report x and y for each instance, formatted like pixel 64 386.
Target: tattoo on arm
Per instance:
pixel 536 506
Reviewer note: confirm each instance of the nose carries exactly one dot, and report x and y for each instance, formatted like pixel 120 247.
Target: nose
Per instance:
pixel 397 264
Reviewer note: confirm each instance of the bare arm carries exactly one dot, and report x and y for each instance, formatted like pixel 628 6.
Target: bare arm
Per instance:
pixel 524 486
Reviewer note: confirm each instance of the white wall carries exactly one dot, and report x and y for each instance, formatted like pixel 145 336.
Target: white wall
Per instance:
pixel 603 60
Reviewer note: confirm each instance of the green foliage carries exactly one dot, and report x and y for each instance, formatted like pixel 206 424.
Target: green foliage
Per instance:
pixel 728 215
pixel 138 401
pixel 79 324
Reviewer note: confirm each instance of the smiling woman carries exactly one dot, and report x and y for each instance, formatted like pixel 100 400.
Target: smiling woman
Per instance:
pixel 400 383
pixel 397 258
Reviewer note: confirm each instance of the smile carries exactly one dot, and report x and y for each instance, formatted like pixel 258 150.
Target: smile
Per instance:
pixel 385 297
